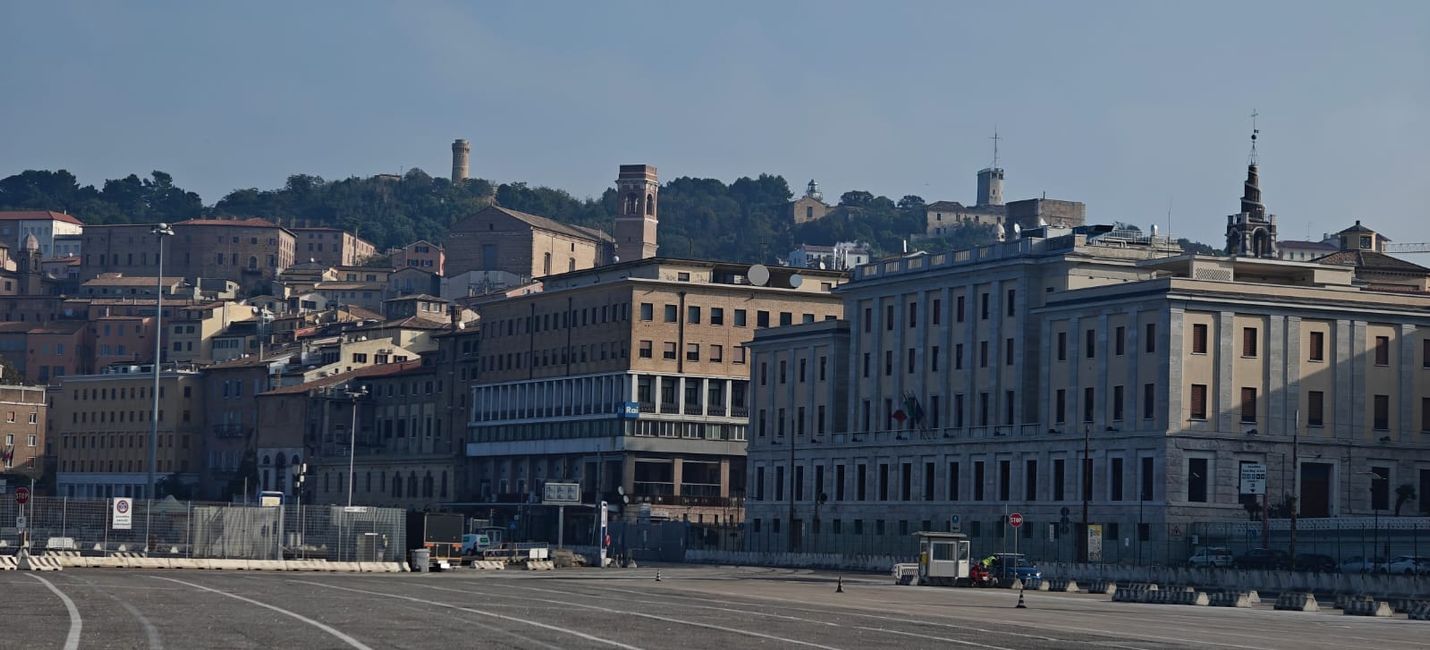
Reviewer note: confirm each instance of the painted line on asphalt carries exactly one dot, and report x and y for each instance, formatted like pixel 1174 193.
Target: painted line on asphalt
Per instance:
pixel 150 632
pixel 930 637
pixel 504 617
pixel 322 626
pixel 426 613
pixel 667 619
pixel 76 622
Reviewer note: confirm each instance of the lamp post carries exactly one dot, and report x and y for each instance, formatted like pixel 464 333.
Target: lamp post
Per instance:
pixel 1086 480
pixel 791 493
pixel 1375 550
pixel 352 440
pixel 1295 500
pixel 160 231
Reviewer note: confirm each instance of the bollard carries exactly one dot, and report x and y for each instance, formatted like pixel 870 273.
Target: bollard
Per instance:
pixel 839 586
pixel 1021 605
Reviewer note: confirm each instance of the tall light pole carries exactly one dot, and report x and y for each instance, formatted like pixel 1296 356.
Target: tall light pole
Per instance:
pixel 352 440
pixel 1375 550
pixel 1086 490
pixel 160 231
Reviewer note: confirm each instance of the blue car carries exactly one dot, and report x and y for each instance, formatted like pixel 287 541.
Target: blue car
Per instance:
pixel 1007 566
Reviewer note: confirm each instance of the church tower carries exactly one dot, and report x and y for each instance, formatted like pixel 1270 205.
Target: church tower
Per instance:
pixel 990 180
pixel 1251 232
pixel 637 191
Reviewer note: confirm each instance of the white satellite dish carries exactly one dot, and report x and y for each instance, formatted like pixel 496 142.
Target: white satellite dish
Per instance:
pixel 758 275
pixel 795 280
pixel 1017 230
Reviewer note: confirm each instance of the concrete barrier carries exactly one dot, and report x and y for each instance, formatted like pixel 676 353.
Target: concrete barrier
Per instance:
pixel 1368 607
pixel 1297 601
pixel 1420 613
pixel 488 565
pixel 26 562
pixel 1229 599
pixel 1101 587
pixel 837 561
pixel 1177 597
pixel 540 565
pixel 1405 605
pixel 7 563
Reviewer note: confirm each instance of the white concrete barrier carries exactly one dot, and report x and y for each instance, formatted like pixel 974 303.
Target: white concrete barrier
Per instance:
pixel 1297 601
pixel 1368 607
pixel 7 563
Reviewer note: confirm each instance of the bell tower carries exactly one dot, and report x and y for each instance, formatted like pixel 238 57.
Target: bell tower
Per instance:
pixel 637 194
pixel 1251 232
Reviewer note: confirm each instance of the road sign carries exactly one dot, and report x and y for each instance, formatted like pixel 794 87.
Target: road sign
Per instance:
pixel 955 524
pixel 22 495
pixel 561 494
pixel 1253 478
pixel 1094 542
pixel 20 522
pixel 122 515
pixel 1015 520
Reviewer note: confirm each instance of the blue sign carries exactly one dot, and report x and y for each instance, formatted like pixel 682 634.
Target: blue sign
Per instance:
pixel 630 410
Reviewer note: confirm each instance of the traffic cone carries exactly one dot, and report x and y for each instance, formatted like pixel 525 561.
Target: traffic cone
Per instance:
pixel 1020 600
pixel 839 586
pixel 657 575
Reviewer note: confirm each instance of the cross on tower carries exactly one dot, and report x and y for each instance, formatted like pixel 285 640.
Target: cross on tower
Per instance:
pixel 995 140
pixel 1254 131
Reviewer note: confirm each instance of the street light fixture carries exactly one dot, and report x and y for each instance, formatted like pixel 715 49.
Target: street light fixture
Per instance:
pixel 160 231
pixel 352 440
pixel 1375 550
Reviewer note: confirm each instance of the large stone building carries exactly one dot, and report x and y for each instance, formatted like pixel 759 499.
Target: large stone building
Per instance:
pixel 44 225
pixel 501 239
pixel 633 376
pixel 976 379
pixel 331 246
pixel 100 430
pixel 251 252
pixel 943 217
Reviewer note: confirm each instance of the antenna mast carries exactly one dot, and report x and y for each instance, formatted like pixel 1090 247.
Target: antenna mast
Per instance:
pixel 995 140
pixel 1254 131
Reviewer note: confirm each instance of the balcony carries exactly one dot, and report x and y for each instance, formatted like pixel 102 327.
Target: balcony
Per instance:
pixel 671 408
pixel 693 409
pixel 701 490
pixel 647 407
pixel 230 431
pixel 715 410
pixel 740 411
pixel 652 489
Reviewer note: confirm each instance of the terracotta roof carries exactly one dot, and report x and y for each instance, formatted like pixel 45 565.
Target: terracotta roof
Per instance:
pixel 418 296
pixel 32 215
pixel 381 370
pixel 130 281
pixel 1373 261
pixel 549 224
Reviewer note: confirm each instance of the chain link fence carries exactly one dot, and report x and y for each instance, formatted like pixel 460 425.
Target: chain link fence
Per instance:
pixel 172 528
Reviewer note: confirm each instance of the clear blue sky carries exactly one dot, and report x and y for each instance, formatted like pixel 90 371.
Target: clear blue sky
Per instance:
pixel 1124 105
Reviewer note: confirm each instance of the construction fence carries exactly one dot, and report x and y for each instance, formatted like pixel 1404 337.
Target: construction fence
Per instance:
pixel 172 528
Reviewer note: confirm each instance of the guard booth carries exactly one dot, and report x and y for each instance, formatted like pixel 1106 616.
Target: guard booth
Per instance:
pixel 943 558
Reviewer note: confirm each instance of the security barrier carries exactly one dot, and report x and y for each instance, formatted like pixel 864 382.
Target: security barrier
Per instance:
pixel 1297 601
pixel 1368 607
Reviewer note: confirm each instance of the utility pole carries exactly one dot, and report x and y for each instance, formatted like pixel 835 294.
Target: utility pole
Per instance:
pixel 791 493
pixel 1295 500
pixel 160 231
pixel 1086 490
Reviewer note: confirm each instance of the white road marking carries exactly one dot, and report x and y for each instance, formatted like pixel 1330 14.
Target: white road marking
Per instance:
pixel 504 617
pixel 931 638
pixel 425 613
pixel 150 631
pixel 76 623
pixel 666 619
pixel 326 628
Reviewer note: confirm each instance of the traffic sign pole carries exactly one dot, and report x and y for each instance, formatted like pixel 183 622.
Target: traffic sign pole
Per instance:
pixel 1016 521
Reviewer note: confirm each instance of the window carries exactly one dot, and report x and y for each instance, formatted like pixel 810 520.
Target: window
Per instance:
pixel 1088 395
pixel 1248 342
pixel 983 354
pixel 978 480
pixel 717 316
pixel 647 311
pixel 1114 485
pixel 1197 479
pixel 1149 401
pixel 933 359
pixel 1248 405
pixel 1380 488
pixel 883 482
pixel 1199 338
pixel 692 351
pixel 1198 402
pixel 670 313
pixel 668 350
pixel 958 356
pixel 1116 403
pixel 693 315
pixel 1062 346
pixel 1382 413
pixel 1150 341
pixel 958 411
pixel 1005 480
pixel 740 352
pixel 717 353
pixel 1060 404
pixel 740 318
pixel 1030 480
pixel 1425 418
pixel 1012 297
pixel 1318 346
pixel 1091 340
pixel 1315 407
pixel 762 319
pixel 983 306
pixel 868 319
pixel 1008 352
pixel 1425 355
pixel 953 481
pixel 913 314
pixel 958 310
pixel 934 311
pixel 645 349
pixel 1060 479
pixel 888 363
pixel 1119 340
pixel 1382 350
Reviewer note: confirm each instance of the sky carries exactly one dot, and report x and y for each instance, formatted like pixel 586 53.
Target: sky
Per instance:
pixel 1139 109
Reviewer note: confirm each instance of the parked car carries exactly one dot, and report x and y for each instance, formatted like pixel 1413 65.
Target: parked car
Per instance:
pixel 1007 566
pixel 1316 562
pixel 1211 556
pixel 1364 565
pixel 1263 558
pixel 1410 565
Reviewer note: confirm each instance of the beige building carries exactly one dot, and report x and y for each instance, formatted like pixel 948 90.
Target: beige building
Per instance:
pixel 632 375
pixel 811 206
pixel 251 252
pixel 23 421
pixel 99 427
pixel 500 239
pixel 331 246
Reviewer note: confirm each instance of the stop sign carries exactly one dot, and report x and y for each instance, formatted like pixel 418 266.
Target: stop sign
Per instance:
pixel 22 495
pixel 1015 520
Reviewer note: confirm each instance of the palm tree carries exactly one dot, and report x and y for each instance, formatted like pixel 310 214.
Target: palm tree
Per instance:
pixel 1404 493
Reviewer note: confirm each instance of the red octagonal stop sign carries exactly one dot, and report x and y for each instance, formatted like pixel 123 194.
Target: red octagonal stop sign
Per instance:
pixel 1015 520
pixel 22 495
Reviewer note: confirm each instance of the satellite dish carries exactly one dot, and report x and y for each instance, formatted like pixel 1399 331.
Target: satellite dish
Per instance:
pixel 795 280
pixel 1017 230
pixel 758 275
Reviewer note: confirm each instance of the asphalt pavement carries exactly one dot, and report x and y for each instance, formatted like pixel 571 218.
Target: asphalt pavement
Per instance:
pixel 690 607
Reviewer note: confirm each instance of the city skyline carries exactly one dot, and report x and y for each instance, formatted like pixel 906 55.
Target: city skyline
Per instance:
pixel 895 101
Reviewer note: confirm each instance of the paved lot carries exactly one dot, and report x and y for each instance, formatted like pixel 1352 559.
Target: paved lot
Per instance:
pixel 692 607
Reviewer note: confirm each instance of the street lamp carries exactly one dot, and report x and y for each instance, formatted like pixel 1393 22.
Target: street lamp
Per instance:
pixel 352 440
pixel 1086 490
pixel 160 231
pixel 1375 550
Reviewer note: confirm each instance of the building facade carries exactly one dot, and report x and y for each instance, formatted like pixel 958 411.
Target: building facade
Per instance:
pixel 500 239
pixel 23 422
pixel 44 225
pixel 331 246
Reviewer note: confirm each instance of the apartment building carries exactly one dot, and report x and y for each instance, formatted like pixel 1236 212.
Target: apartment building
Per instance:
pixel 251 252
pixel 631 375
pixel 331 246
pixel 976 379
pixel 44 225
pixel 420 254
pixel 100 429
pixel 23 422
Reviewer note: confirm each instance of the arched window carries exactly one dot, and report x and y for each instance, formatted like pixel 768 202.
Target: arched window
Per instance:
pixel 397 485
pixel 571 264
pixel 546 263
pixel 632 204
pixel 412 484
pixel 253 262
pixel 650 204
pixel 267 460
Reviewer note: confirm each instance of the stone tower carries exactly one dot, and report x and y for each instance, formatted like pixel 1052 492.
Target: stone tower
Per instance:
pixel 637 192
pixel 461 151
pixel 30 271
pixel 1251 232
pixel 990 186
